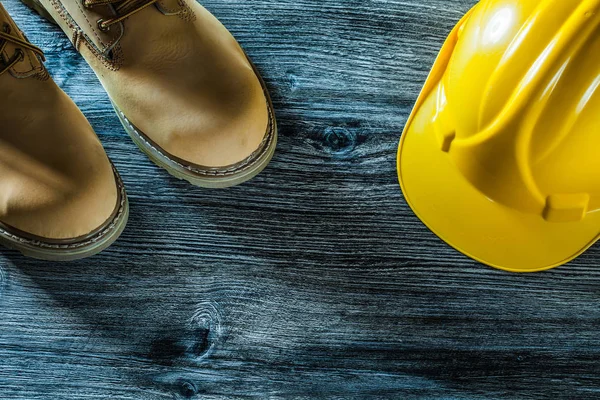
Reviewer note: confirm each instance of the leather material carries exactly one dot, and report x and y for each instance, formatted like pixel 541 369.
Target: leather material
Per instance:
pixel 82 24
pixel 56 181
pixel 184 81
pixel 30 65
pixel 171 7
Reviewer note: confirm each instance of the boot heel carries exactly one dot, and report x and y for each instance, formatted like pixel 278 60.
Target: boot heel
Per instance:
pixel 36 6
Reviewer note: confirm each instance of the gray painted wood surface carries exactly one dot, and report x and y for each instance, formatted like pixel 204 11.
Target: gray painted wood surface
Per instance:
pixel 312 281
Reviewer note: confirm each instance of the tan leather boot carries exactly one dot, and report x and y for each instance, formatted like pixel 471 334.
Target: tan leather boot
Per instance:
pixel 60 197
pixel 183 88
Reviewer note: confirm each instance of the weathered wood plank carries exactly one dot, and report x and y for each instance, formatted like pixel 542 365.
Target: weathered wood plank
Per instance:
pixel 312 281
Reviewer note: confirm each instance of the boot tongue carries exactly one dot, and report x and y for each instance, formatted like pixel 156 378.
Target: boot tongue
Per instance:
pixel 31 64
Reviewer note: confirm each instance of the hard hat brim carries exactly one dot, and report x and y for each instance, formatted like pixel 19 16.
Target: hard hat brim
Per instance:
pixel 464 217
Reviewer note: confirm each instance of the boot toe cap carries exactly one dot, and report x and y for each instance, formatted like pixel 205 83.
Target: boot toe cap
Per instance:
pixel 65 206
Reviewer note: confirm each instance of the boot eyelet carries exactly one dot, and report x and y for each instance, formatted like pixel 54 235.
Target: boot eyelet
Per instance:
pixel 20 54
pixel 102 27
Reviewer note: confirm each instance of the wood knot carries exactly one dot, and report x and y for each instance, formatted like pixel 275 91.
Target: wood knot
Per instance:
pixel 188 389
pixel 339 140
pixel 208 330
pixel 195 340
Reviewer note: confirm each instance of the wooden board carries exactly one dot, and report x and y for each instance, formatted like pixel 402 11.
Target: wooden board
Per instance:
pixel 315 280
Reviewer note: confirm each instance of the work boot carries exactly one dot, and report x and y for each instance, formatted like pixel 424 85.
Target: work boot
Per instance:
pixel 60 197
pixel 182 87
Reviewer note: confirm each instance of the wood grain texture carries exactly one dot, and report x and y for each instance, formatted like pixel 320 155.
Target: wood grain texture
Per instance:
pixel 314 280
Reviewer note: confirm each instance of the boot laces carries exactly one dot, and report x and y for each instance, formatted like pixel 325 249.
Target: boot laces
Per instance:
pixel 124 9
pixel 5 37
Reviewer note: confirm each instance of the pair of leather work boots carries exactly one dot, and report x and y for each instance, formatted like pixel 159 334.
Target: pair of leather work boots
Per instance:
pixel 182 87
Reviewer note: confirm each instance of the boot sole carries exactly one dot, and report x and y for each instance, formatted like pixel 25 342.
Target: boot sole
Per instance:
pixel 214 178
pixel 42 250
pixel 204 177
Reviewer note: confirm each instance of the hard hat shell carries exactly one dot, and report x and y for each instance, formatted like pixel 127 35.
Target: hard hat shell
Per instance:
pixel 501 154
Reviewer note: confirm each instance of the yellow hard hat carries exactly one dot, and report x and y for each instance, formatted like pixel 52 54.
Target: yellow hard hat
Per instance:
pixel 501 154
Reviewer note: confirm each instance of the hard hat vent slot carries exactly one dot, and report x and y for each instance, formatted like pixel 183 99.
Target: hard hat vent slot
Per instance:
pixel 566 207
pixel 445 139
